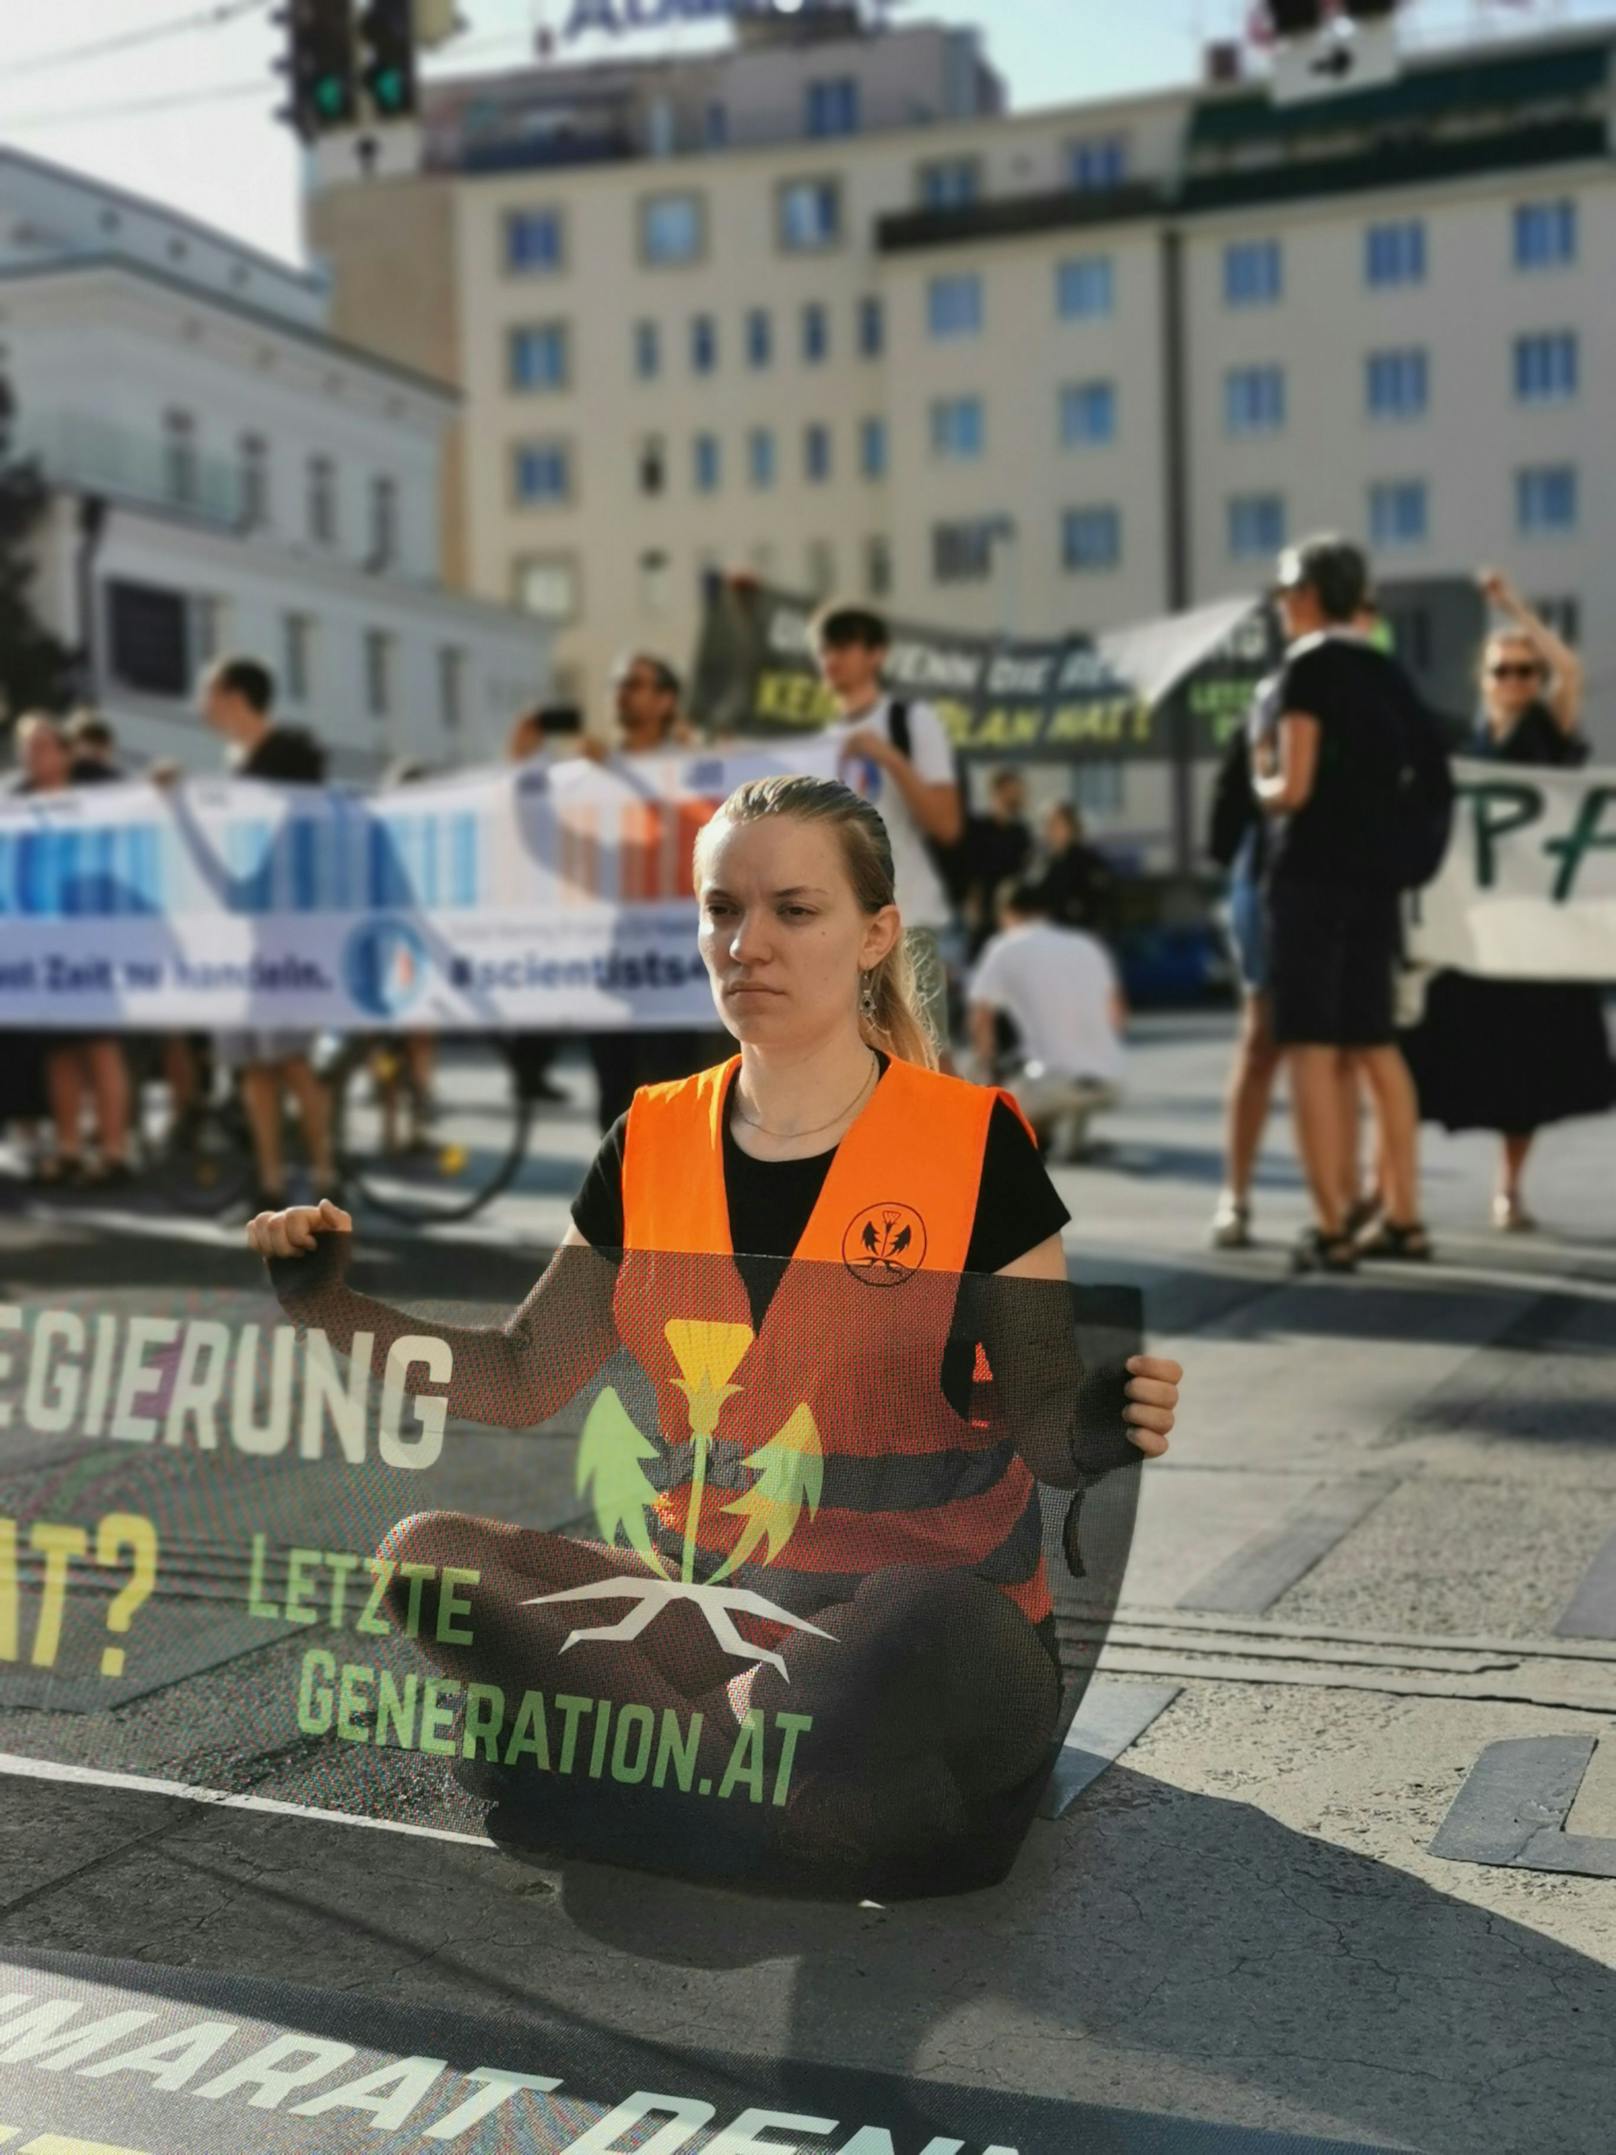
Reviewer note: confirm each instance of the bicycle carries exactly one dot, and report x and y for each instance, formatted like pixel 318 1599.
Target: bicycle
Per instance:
pixel 401 1149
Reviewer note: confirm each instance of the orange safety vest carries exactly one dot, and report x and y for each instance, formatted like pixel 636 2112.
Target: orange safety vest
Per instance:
pixel 853 1337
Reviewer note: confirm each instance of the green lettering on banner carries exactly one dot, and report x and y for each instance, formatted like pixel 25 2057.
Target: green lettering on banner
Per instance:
pixel 1585 837
pixel 632 1719
pixel 746 1760
pixel 530 1738
pixel 437 1716
pixel 677 1745
pixel 314 1706
pixel 1519 804
pixel 352 1703
pixel 395 1709
pixel 485 1710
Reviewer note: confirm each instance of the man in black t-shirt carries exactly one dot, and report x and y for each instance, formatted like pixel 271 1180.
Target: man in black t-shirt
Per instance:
pixel 997 849
pixel 1330 779
pixel 238 700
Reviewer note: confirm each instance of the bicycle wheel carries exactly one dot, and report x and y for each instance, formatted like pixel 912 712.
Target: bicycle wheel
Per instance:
pixel 422 1149
pixel 203 1164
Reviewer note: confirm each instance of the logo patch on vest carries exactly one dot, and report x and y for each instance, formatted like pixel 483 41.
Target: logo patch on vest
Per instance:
pixel 885 1245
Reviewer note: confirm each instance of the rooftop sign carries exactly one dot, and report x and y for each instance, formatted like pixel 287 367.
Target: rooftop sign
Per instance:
pixel 616 16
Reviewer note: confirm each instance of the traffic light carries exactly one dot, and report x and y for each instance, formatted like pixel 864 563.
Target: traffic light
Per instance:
pixel 387 57
pixel 319 66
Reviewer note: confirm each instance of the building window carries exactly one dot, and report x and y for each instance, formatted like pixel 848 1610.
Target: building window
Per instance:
pixel 816 453
pixel 703 344
pixel 1091 539
pixel 1085 288
pixel 378 672
pixel 546 585
pixel 652 466
pixel 1547 367
pixel 182 470
pixel 383 524
pixel 322 503
pixel 1097 161
pixel 1256 525
pixel 878 566
pixel 1397 384
pixel 647 350
pixel 534 242
pixel 1088 414
pixel 1545 235
pixel 671 230
pixel 1254 400
pixel 873 448
pixel 815 334
pixel 957 428
pixel 254 482
pixel 297 657
pixel 1253 273
pixel 1563 615
pixel 541 472
pixel 832 107
pixel 537 356
pixel 821 568
pixel 810 215
pixel 1395 253
pixel 707 463
pixel 452 687
pixel 655 582
pixel 962 553
pixel 210 626
pixel 716 127
pixel 1398 513
pixel 872 328
pixel 952 184
pixel 1546 499
pixel 762 461
pixel 954 305
pixel 1100 788
pixel 759 338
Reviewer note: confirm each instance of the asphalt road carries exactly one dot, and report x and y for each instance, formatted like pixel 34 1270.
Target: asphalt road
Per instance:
pixel 1371 1606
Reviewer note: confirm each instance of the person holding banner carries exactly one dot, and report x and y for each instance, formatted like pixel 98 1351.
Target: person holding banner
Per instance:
pixel 907 1608
pixel 1515 1055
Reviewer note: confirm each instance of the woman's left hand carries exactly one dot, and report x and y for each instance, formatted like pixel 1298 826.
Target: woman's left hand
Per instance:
pixel 1152 1393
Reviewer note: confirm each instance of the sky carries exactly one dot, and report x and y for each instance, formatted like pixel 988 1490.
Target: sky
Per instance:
pixel 180 106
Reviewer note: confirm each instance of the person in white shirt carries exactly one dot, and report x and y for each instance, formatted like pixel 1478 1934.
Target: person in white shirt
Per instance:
pixel 915 789
pixel 1059 989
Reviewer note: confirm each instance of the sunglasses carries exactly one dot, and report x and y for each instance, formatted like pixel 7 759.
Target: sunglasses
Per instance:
pixel 1512 671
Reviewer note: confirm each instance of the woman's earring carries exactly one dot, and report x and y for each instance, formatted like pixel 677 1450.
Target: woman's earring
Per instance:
pixel 867 997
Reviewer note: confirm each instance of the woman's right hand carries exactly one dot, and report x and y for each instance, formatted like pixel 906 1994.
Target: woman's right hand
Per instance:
pixel 295 1232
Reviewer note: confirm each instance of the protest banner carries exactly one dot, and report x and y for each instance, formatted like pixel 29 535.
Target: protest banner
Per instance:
pixel 1528 889
pixel 553 896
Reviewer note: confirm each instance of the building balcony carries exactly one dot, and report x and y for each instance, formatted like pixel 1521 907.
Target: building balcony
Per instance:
pixel 82 453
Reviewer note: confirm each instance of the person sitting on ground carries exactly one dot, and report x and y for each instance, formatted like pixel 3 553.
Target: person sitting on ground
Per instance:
pixel 1059 989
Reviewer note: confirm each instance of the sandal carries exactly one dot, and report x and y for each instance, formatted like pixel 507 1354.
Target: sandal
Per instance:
pixel 1397 1242
pixel 1511 1217
pixel 1315 1251
pixel 65 1171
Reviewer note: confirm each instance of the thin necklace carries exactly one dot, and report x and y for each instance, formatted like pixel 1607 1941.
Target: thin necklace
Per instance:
pixel 785 1136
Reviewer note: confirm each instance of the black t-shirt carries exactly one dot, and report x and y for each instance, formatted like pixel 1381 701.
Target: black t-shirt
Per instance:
pixel 1367 711
pixel 771 1201
pixel 286 753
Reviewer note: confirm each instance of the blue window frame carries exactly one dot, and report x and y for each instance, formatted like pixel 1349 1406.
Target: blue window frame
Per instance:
pixel 534 242
pixel 647 350
pixel 1254 400
pixel 1257 525
pixel 832 107
pixel 953 184
pixel 1546 499
pixel 703 344
pixel 1088 414
pixel 815 334
pixel 671 229
pixel 810 215
pixel 707 463
pixel 1399 513
pixel 762 462
pixel 1395 253
pixel 872 328
pixel 958 429
pixel 1547 367
pixel 1545 234
pixel 954 305
pixel 1085 288
pixel 1397 384
pixel 759 338
pixel 537 356
pixel 816 453
pixel 541 471
pixel 873 448
pixel 1097 161
pixel 1091 538
pixel 1253 273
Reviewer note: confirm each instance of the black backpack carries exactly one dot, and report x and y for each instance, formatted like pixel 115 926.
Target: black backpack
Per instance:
pixel 1423 824
pixel 949 861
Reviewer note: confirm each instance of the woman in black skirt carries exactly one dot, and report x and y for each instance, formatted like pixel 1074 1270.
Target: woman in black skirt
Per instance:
pixel 1514 1055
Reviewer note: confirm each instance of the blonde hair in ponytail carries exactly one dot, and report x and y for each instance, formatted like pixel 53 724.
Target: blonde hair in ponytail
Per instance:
pixel 895 1024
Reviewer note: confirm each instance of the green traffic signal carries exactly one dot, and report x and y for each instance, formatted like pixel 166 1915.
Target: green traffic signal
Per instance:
pixel 389 90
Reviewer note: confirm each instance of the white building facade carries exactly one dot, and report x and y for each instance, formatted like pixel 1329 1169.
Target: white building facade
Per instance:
pixel 227 477
pixel 1038 372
